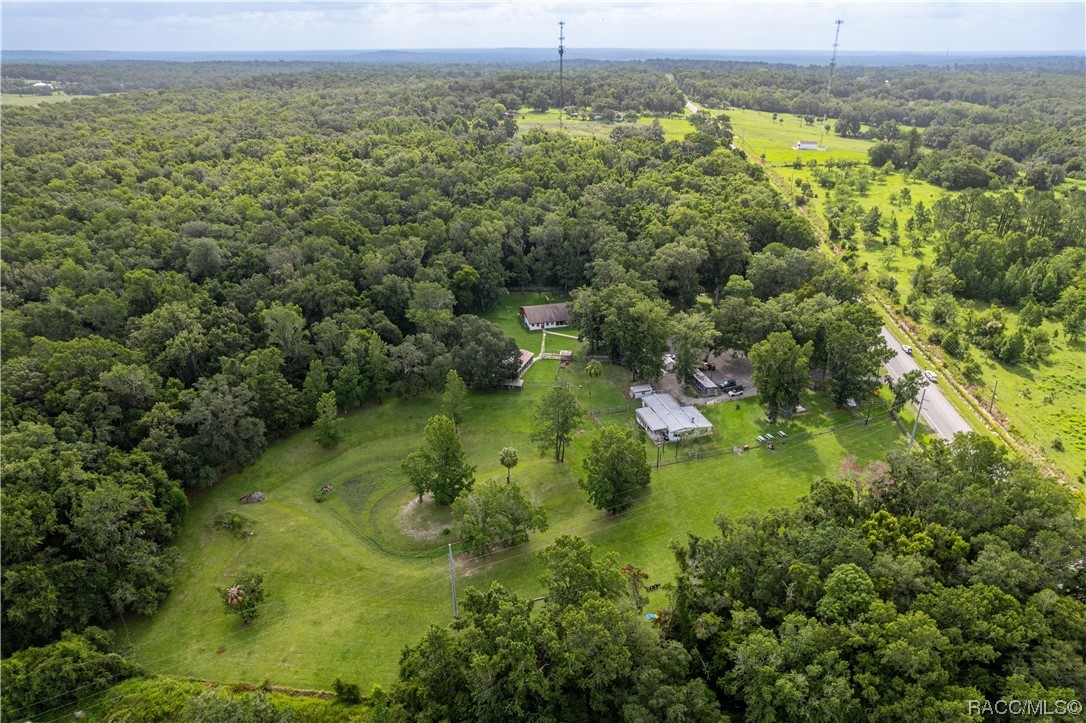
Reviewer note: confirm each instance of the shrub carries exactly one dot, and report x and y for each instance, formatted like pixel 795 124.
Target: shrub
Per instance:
pixel 348 693
pixel 60 673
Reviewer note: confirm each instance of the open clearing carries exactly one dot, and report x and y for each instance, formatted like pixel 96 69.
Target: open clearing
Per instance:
pixel 675 127
pixel 350 584
pixel 14 99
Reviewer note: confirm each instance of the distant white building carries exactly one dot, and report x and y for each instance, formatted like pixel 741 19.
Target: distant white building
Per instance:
pixel 807 145
pixel 667 421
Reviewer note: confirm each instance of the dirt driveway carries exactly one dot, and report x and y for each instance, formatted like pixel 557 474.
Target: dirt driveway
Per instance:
pixel 738 370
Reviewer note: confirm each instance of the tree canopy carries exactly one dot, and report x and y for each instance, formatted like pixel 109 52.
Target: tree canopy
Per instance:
pixel 439 466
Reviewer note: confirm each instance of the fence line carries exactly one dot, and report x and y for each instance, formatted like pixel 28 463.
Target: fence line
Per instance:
pixel 694 453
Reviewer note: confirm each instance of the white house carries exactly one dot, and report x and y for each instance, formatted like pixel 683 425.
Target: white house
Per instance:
pixel 667 421
pixel 544 316
pixel 807 146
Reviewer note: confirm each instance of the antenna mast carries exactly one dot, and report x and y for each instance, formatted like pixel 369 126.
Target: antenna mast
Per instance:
pixel 561 86
pixel 829 82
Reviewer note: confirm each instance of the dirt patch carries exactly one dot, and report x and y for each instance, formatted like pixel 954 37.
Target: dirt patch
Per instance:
pixel 414 519
pixel 739 369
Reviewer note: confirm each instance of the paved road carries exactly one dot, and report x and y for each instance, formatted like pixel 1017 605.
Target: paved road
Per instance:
pixel 938 412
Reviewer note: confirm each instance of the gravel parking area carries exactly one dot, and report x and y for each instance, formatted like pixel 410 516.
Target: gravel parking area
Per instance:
pixel 737 369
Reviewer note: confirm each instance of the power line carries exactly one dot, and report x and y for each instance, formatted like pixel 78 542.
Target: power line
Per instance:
pixel 829 82
pixel 561 86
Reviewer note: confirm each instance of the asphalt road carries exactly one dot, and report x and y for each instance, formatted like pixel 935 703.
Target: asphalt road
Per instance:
pixel 937 412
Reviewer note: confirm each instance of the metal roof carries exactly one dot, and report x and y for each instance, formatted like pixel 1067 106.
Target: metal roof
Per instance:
pixel 545 314
pixel 704 381
pixel 661 411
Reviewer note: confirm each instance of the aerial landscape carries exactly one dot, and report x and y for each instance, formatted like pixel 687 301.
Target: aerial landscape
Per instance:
pixel 499 361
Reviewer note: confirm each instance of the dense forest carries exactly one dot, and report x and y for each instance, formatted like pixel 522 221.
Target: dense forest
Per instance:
pixel 187 272
pixel 189 268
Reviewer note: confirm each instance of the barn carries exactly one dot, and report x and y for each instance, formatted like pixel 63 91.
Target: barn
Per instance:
pixel 544 316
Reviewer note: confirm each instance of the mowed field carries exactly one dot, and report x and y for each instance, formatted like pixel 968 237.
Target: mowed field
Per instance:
pixel 353 579
pixel 757 133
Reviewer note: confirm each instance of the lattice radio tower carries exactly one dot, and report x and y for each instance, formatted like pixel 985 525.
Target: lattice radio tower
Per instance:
pixel 561 86
pixel 829 82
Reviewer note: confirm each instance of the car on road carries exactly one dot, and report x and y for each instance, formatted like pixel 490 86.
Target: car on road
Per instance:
pixel 906 348
pixel 735 393
pixel 932 376
pixel 727 383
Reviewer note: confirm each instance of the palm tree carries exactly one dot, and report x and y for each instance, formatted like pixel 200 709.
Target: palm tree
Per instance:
pixel 509 461
pixel 235 595
pixel 592 370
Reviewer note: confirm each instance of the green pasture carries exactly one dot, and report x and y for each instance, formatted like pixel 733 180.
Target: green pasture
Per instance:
pixel 353 579
pixel 675 127
pixel 757 133
pixel 17 100
pixel 1043 403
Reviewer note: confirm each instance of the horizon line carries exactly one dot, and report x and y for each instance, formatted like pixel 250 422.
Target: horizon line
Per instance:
pixel 1044 51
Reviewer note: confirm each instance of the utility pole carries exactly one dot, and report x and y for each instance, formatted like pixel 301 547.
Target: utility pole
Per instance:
pixel 991 401
pixel 829 83
pixel 452 577
pixel 561 85
pixel 919 408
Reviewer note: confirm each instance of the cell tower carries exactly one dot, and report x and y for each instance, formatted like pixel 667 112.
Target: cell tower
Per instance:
pixel 829 82
pixel 561 87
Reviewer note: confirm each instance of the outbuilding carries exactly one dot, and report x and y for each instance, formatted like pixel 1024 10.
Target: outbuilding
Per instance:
pixel 705 386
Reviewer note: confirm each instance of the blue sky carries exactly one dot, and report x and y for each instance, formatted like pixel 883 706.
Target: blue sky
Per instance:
pixel 909 25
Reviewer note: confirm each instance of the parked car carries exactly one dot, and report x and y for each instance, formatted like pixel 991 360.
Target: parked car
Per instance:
pixel 906 348
pixel 735 393
pixel 932 376
pixel 727 383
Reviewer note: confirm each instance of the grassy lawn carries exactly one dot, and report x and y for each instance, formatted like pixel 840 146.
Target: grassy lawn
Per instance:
pixel 354 578
pixel 505 317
